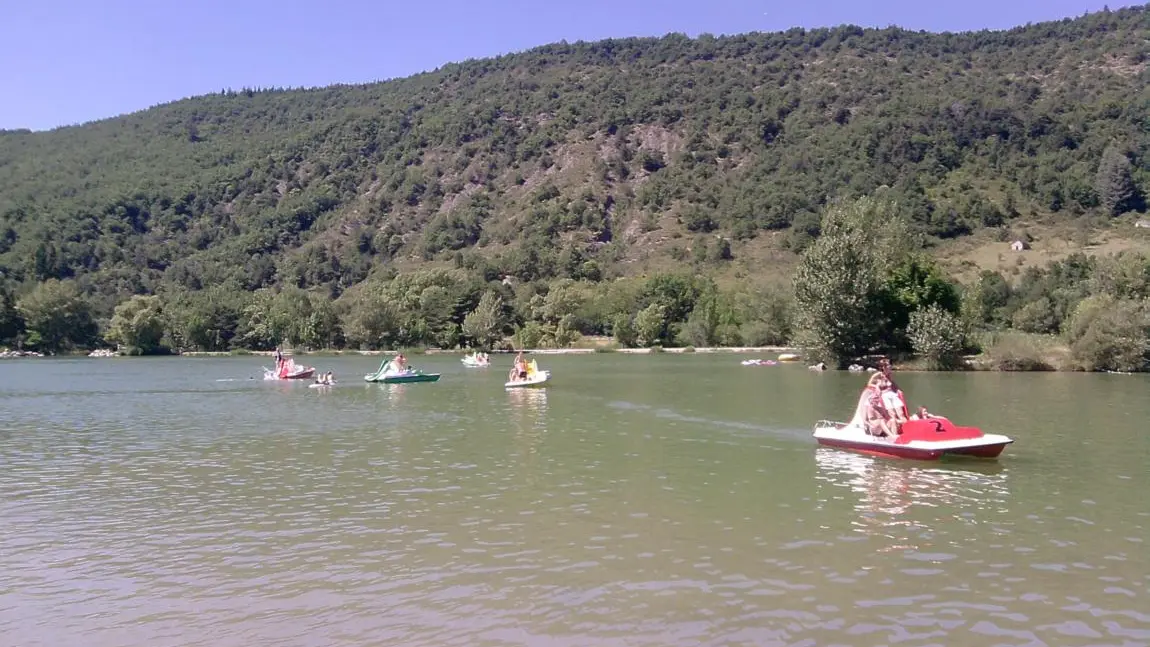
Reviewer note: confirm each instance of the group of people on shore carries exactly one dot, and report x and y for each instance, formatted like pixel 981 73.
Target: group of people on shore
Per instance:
pixel 884 405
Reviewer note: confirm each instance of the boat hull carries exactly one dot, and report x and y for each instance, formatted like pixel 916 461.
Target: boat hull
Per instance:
pixel 854 439
pixel 402 379
pixel 298 375
pixel 538 379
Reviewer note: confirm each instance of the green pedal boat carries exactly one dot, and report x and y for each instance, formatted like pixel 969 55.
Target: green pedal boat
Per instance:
pixel 387 375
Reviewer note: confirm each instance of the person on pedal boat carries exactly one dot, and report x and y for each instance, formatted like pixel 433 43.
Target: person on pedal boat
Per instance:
pixel 399 363
pixel 886 410
pixel 877 420
pixel 893 394
pixel 885 369
pixel 519 370
pixel 923 414
pixel 893 402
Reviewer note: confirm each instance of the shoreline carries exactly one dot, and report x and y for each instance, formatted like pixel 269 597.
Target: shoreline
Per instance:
pixel 530 351
pixel 972 364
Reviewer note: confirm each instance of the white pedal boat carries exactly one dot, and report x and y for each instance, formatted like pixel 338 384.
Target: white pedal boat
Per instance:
pixel 535 377
pixel 476 361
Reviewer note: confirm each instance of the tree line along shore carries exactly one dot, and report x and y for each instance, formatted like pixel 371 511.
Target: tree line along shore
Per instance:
pixel 865 286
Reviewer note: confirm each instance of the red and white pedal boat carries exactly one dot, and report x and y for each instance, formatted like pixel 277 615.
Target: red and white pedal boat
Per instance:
pixel 924 439
pixel 289 370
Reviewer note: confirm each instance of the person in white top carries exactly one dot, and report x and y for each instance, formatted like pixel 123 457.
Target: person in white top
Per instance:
pixel 886 407
pixel 893 402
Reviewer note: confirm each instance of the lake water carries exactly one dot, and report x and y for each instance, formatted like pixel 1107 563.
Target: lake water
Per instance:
pixel 638 500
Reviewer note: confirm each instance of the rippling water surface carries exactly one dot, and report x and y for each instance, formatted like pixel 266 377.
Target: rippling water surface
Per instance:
pixel 662 500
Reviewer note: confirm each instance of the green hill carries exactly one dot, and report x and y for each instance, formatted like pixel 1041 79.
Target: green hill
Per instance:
pixel 586 161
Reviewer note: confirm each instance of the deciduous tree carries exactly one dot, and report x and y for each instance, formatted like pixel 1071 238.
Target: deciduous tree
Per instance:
pixel 1114 183
pixel 138 325
pixel 841 277
pixel 484 325
pixel 57 316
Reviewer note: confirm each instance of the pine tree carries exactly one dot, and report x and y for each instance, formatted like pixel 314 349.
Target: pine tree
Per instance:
pixel 1114 184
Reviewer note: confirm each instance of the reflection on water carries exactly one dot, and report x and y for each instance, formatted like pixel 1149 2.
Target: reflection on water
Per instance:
pixel 1003 567
pixel 529 413
pixel 534 400
pixel 395 393
pixel 888 490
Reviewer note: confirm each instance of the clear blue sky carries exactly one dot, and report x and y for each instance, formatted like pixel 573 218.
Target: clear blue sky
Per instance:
pixel 70 61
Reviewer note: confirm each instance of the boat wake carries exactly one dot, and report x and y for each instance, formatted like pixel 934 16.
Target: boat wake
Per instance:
pixel 785 433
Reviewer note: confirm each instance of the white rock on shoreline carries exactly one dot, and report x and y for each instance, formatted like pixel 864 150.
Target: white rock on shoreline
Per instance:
pixel 14 354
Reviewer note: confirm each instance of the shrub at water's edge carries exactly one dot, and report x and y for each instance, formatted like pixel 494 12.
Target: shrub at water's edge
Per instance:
pixel 1018 351
pixel 1107 333
pixel 937 337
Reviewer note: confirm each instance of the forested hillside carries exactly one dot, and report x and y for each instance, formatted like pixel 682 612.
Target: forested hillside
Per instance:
pixel 571 161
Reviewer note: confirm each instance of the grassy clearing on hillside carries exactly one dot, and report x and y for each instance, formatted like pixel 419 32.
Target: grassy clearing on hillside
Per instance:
pixel 990 250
